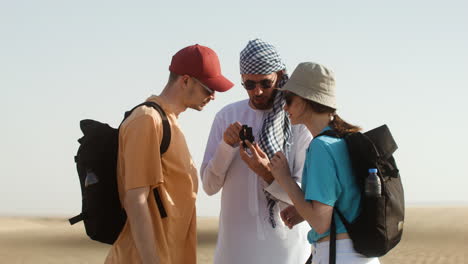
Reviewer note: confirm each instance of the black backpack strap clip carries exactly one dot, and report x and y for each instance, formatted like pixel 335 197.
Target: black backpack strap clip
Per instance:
pixel 77 218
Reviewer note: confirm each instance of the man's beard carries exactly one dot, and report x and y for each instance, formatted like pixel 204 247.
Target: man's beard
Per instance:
pixel 268 104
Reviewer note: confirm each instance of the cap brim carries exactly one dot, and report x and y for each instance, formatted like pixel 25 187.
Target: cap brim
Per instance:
pixel 218 84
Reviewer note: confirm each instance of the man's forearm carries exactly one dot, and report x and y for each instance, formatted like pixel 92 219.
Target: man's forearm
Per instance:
pixel 214 170
pixel 139 216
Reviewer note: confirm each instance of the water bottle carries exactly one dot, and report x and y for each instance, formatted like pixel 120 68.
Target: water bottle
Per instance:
pixel 91 178
pixel 373 186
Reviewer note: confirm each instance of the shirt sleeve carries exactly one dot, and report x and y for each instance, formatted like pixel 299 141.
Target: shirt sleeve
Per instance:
pixel 141 141
pixel 300 145
pixel 322 180
pixel 218 157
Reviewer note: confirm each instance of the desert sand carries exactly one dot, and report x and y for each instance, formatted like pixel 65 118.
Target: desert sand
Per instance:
pixel 431 235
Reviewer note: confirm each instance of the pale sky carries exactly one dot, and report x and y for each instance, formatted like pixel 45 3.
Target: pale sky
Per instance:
pixel 402 63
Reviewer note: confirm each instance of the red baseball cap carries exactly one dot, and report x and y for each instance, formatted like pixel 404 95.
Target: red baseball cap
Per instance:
pixel 201 63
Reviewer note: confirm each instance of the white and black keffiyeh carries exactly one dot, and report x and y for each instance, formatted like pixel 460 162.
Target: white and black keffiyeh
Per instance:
pixel 260 57
pixel 276 129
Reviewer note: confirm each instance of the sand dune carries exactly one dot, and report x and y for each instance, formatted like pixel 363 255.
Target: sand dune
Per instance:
pixel 432 235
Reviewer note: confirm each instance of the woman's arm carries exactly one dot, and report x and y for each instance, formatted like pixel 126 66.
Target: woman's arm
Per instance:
pixel 317 214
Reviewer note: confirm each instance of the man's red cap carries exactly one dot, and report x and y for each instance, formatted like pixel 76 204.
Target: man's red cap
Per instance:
pixel 201 63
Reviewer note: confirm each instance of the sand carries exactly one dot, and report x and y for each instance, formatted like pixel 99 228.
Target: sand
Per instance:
pixel 432 235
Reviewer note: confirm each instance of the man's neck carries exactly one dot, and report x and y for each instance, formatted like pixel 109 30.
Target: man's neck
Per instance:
pixel 170 96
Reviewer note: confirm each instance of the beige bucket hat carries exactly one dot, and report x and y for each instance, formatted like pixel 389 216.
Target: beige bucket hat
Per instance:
pixel 313 82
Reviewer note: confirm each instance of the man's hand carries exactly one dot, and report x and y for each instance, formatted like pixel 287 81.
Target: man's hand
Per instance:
pixel 231 135
pixel 257 162
pixel 291 217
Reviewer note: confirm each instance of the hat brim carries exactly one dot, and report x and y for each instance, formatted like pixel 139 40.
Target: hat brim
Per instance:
pixel 218 84
pixel 305 92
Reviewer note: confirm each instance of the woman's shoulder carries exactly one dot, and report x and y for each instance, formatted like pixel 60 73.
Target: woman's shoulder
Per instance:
pixel 327 143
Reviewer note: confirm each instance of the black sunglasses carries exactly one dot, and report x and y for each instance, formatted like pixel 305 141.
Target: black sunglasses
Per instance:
pixel 265 84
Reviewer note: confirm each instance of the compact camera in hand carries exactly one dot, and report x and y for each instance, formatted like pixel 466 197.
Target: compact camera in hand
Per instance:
pixel 246 134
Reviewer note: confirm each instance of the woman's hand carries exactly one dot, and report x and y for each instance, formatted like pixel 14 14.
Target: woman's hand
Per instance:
pixel 279 167
pixel 291 217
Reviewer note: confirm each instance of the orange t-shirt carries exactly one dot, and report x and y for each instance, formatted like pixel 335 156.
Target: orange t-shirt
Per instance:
pixel 140 164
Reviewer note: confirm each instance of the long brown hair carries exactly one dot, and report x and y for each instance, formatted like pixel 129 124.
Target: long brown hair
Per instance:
pixel 338 124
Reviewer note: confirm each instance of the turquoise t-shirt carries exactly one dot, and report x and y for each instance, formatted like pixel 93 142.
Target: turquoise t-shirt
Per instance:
pixel 328 178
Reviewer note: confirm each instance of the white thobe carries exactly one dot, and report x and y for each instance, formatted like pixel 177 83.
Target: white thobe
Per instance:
pixel 245 234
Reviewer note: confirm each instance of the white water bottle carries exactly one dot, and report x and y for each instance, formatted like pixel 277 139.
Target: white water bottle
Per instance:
pixel 373 187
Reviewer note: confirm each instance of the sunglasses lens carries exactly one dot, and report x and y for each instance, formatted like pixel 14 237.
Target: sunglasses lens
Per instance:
pixel 266 83
pixel 249 85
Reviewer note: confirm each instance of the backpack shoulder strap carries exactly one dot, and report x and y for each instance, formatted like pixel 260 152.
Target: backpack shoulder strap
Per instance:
pixel 166 140
pixel 332 245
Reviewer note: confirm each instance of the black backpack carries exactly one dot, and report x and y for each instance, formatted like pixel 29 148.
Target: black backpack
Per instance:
pixel 379 226
pixel 96 163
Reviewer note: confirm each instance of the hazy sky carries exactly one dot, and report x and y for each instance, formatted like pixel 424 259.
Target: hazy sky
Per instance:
pixel 403 63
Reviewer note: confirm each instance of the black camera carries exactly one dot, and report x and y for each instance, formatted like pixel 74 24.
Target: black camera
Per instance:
pixel 246 134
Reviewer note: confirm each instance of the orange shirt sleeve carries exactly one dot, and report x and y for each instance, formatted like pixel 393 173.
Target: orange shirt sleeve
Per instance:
pixel 141 142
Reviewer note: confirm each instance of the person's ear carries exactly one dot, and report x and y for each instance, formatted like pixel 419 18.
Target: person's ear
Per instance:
pixel 184 79
pixel 279 77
